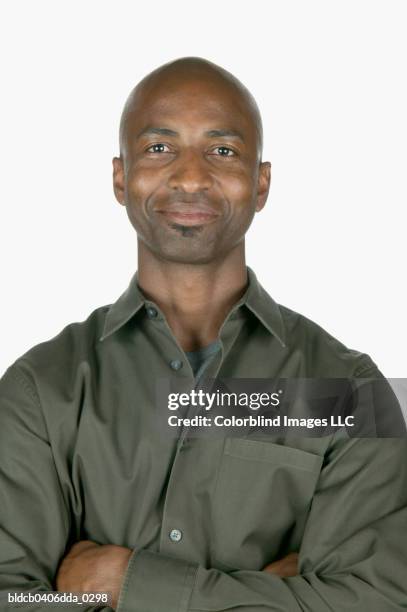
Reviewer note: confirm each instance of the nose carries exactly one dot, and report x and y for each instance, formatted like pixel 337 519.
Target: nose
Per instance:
pixel 190 173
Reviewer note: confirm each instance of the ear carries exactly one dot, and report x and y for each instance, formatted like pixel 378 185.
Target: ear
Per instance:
pixel 118 179
pixel 263 184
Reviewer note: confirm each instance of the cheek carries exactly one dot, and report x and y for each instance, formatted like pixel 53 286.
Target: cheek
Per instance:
pixel 140 183
pixel 241 192
pixel 136 190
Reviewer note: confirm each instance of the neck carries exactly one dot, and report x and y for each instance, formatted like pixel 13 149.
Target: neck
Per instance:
pixel 195 298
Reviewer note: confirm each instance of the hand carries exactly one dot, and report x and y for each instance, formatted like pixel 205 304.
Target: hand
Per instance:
pixel 287 567
pixel 93 567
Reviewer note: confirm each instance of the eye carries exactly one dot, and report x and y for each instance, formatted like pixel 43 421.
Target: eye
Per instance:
pixel 223 151
pixel 158 147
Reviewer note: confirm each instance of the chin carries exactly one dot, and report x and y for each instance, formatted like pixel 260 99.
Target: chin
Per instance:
pixel 187 258
pixel 185 251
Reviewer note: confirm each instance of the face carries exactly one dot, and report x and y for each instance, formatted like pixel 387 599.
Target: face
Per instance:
pixel 189 172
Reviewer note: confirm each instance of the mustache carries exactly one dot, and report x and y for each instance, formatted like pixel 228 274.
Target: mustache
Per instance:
pixel 199 198
pixel 189 198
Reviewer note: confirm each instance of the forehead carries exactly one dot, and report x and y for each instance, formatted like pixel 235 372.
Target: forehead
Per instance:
pixel 195 104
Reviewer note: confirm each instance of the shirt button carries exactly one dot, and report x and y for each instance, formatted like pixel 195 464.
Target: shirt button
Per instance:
pixel 175 535
pixel 176 364
pixel 151 312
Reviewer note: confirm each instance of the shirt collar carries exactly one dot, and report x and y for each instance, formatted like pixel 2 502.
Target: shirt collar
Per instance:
pixel 124 308
pixel 264 307
pixel 255 298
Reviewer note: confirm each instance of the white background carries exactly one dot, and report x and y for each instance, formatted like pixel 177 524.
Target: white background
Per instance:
pixel 330 80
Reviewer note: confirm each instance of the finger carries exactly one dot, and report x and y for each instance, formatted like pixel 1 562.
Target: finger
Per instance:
pixel 285 568
pixel 283 572
pixel 81 546
pixel 290 558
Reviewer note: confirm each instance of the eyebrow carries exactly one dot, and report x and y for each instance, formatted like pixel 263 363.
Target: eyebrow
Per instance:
pixel 228 132
pixel 162 131
pixel 157 130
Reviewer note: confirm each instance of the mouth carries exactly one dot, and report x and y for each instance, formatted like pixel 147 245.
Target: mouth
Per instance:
pixel 189 216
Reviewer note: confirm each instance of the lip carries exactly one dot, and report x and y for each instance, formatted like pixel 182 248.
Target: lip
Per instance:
pixel 189 215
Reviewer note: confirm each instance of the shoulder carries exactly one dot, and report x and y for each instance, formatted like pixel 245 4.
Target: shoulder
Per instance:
pixel 59 357
pixel 325 354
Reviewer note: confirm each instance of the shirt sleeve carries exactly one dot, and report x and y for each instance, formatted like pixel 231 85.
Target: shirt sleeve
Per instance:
pixel 34 519
pixel 376 407
pixel 352 558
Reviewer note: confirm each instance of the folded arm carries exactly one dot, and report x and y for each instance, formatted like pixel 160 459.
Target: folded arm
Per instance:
pixel 352 555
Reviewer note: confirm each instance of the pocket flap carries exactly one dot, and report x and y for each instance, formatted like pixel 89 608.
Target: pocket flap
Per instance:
pixel 273 453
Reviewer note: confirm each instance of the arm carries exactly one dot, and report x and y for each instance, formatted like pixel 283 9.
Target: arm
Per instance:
pixel 90 566
pixel 35 523
pixel 353 554
pixel 34 519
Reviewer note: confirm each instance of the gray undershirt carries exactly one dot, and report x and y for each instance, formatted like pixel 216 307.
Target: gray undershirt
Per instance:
pixel 200 359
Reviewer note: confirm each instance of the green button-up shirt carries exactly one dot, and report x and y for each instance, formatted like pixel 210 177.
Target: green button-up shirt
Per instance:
pixel 81 457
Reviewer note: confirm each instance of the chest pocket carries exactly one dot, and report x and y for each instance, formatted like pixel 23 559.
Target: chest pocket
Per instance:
pixel 261 502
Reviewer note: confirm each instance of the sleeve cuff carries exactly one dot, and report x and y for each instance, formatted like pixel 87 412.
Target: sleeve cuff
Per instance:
pixel 156 583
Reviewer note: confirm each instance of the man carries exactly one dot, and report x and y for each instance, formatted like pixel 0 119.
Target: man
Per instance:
pixel 95 498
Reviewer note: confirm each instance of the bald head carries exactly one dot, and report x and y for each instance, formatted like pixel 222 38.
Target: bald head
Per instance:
pixel 190 171
pixel 201 76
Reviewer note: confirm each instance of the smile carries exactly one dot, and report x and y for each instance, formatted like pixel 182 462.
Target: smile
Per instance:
pixel 189 217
